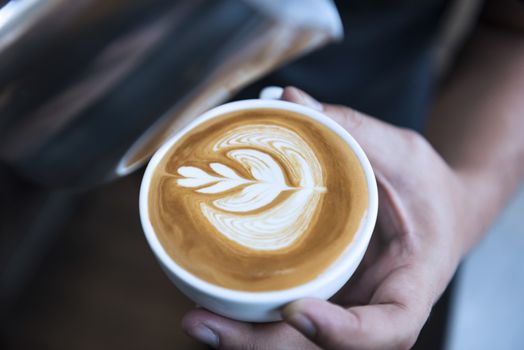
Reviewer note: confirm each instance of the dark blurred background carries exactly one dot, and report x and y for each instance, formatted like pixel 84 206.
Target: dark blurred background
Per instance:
pixel 76 272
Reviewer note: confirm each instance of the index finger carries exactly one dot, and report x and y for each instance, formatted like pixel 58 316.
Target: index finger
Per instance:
pixel 392 320
pixel 224 333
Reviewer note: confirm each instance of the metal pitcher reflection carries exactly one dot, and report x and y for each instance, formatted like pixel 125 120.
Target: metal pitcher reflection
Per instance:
pixel 89 89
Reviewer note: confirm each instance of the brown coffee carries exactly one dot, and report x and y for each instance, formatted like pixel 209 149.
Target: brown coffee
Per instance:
pixel 258 200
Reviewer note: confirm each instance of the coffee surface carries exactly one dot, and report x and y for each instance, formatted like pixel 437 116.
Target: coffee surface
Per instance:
pixel 257 200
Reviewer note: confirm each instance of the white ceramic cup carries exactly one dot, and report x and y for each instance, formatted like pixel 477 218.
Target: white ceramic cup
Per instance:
pixel 262 306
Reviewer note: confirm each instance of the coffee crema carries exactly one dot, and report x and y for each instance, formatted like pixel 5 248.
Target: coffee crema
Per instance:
pixel 257 200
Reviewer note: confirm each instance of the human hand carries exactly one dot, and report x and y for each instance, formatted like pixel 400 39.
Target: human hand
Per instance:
pixel 413 254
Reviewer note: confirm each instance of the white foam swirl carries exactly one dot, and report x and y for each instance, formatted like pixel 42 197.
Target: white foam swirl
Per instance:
pixel 267 152
pixel 273 229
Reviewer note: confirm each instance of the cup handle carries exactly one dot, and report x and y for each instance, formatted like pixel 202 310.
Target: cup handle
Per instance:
pixel 271 93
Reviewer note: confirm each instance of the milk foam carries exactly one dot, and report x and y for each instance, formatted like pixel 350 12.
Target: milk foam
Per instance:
pixel 245 210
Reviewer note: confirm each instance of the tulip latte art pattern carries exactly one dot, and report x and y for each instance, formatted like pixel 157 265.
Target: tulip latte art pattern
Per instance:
pixel 247 215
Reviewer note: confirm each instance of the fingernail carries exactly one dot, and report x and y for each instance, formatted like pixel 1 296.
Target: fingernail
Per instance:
pixel 204 335
pixel 303 324
pixel 310 101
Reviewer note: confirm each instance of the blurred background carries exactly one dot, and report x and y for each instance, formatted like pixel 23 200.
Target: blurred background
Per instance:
pixel 89 89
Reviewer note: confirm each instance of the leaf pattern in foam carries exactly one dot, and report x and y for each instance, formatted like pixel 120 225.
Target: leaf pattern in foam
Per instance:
pixel 251 197
pixel 222 186
pixel 268 184
pixel 224 170
pixel 195 177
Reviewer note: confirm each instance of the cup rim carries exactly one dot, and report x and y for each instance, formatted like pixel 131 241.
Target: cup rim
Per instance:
pixel 337 269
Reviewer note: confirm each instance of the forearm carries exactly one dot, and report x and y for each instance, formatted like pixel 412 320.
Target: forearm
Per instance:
pixel 477 124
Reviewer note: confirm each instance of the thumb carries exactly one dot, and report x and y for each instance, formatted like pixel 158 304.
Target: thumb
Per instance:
pixel 292 94
pixel 381 141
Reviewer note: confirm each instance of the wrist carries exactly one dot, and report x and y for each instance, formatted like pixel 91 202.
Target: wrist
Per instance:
pixel 479 202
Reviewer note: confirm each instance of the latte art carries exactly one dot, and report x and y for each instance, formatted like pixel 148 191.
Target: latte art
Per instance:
pixel 272 227
pixel 257 200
